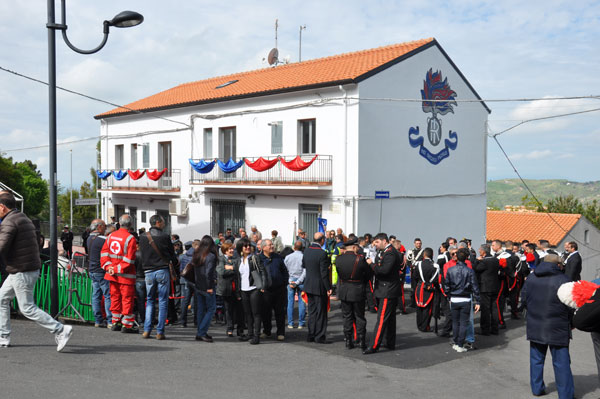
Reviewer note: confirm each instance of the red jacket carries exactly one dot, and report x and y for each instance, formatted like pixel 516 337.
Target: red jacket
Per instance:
pixel 452 262
pixel 119 252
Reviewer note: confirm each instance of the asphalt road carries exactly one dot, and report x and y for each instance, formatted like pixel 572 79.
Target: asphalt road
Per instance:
pixel 98 363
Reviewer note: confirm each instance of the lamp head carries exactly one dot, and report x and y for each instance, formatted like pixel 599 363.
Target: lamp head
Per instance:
pixel 126 19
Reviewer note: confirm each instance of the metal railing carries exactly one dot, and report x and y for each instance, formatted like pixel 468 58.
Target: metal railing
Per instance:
pixel 170 181
pixel 318 173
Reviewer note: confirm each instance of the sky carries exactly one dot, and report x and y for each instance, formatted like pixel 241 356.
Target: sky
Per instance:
pixel 506 49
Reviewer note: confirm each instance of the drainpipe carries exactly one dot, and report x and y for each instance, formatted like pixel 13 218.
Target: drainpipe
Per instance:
pixel 345 157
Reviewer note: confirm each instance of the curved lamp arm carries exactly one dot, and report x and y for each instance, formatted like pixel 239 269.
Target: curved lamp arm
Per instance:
pixel 92 51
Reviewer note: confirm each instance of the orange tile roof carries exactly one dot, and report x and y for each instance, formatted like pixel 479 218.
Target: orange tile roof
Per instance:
pixel 328 71
pixel 531 226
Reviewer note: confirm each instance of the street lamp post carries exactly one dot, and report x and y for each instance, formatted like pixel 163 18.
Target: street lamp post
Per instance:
pixel 122 20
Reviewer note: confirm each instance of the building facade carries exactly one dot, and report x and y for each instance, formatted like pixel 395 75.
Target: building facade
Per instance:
pixel 400 120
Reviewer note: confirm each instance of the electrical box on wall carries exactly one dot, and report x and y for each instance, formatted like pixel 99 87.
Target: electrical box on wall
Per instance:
pixel 178 207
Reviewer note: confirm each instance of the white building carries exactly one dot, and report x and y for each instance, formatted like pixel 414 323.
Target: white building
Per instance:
pixel 353 111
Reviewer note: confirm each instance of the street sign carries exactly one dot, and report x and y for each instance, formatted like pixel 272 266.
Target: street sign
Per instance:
pixel 87 201
pixel 382 194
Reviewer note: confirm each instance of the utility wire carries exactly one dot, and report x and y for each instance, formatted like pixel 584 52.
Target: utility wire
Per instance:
pixel 544 118
pixel 540 205
pixel 91 98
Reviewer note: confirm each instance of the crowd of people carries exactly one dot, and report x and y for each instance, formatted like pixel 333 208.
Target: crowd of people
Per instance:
pixel 245 282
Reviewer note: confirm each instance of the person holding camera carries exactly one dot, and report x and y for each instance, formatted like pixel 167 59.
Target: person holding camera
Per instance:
pixel 254 279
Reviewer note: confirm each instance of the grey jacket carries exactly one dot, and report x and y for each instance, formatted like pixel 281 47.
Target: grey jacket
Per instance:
pixel 18 243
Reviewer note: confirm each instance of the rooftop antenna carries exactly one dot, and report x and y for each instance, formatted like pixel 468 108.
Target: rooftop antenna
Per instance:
pixel 302 27
pixel 273 57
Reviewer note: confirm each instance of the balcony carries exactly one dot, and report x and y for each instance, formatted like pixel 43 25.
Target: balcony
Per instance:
pixel 170 181
pixel 317 174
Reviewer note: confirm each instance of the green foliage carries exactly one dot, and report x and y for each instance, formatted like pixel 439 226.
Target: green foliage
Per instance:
pixel 35 189
pixel 25 179
pixel 511 191
pixel 564 204
pixel 82 214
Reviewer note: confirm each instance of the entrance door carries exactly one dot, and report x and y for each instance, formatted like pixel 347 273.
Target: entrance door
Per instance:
pixel 133 213
pixel 165 215
pixel 227 215
pixel 309 213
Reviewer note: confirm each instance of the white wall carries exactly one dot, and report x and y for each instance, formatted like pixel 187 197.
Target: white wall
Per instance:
pixel 424 193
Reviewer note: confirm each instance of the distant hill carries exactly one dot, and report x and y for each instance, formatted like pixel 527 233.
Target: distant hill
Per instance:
pixel 511 191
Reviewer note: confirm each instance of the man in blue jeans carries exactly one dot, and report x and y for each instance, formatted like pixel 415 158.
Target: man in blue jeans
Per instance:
pixel 100 286
pixel 157 252
pixel 293 263
pixel 548 327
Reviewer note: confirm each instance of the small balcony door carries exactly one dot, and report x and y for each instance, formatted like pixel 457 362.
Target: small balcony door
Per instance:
pixel 227 148
pixel 165 161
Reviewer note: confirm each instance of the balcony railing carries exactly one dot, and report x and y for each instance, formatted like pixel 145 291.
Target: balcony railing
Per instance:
pixel 318 173
pixel 169 181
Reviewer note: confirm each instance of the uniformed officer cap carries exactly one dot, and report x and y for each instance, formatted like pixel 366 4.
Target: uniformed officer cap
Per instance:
pixel 350 242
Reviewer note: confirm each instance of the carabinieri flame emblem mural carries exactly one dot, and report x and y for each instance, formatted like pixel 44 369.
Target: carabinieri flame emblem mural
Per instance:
pixel 438 99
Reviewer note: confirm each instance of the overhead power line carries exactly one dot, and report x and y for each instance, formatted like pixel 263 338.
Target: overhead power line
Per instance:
pixel 540 205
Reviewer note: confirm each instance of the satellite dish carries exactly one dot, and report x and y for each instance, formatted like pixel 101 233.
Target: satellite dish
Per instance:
pixel 272 57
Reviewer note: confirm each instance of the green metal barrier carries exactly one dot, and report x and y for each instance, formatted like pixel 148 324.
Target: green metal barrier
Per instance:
pixel 81 282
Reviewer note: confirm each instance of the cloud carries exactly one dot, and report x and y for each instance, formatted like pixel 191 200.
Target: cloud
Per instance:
pixel 535 154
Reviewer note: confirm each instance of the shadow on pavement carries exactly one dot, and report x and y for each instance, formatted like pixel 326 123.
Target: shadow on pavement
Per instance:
pixel 113 348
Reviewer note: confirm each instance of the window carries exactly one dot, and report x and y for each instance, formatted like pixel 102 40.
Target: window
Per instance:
pixel 207 143
pixel 227 143
pixel 146 156
pixel 119 164
pixel 227 215
pixel 586 236
pixel 164 155
pixel 307 136
pixel 143 215
pixel 276 137
pixel 134 157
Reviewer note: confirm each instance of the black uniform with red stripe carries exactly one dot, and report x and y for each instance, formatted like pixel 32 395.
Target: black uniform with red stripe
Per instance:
pixel 353 275
pixel 425 294
pixel 386 268
pixel 504 263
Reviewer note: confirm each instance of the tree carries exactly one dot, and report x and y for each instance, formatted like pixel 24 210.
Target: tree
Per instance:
pixel 25 179
pixel 35 189
pixel 82 214
pixel 564 204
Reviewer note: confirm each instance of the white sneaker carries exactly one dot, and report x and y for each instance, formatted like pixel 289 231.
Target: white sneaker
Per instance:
pixel 4 342
pixel 291 327
pixel 63 337
pixel 454 346
pixel 460 349
pixel 300 327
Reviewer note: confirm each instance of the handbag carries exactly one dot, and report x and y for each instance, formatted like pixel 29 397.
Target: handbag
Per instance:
pixel 172 270
pixel 189 272
pixel 257 277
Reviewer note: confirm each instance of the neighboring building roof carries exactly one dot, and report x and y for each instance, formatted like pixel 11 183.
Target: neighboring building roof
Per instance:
pixel 322 72
pixel 531 226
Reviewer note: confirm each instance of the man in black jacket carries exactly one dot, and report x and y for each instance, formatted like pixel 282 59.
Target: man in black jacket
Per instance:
pixel 386 268
pixel 275 297
pixel 353 274
pixel 487 267
pixel 317 286
pixel 157 252
pixel 548 327
pixel 573 262
pixel 66 237
pixel 20 250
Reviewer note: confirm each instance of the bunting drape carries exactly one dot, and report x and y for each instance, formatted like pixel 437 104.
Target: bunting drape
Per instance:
pixel 155 175
pixel 136 174
pixel 103 174
pixel 119 174
pixel 261 164
pixel 297 164
pixel 231 166
pixel 202 166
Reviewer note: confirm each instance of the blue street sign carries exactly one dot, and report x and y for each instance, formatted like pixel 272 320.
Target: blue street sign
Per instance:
pixel 382 194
